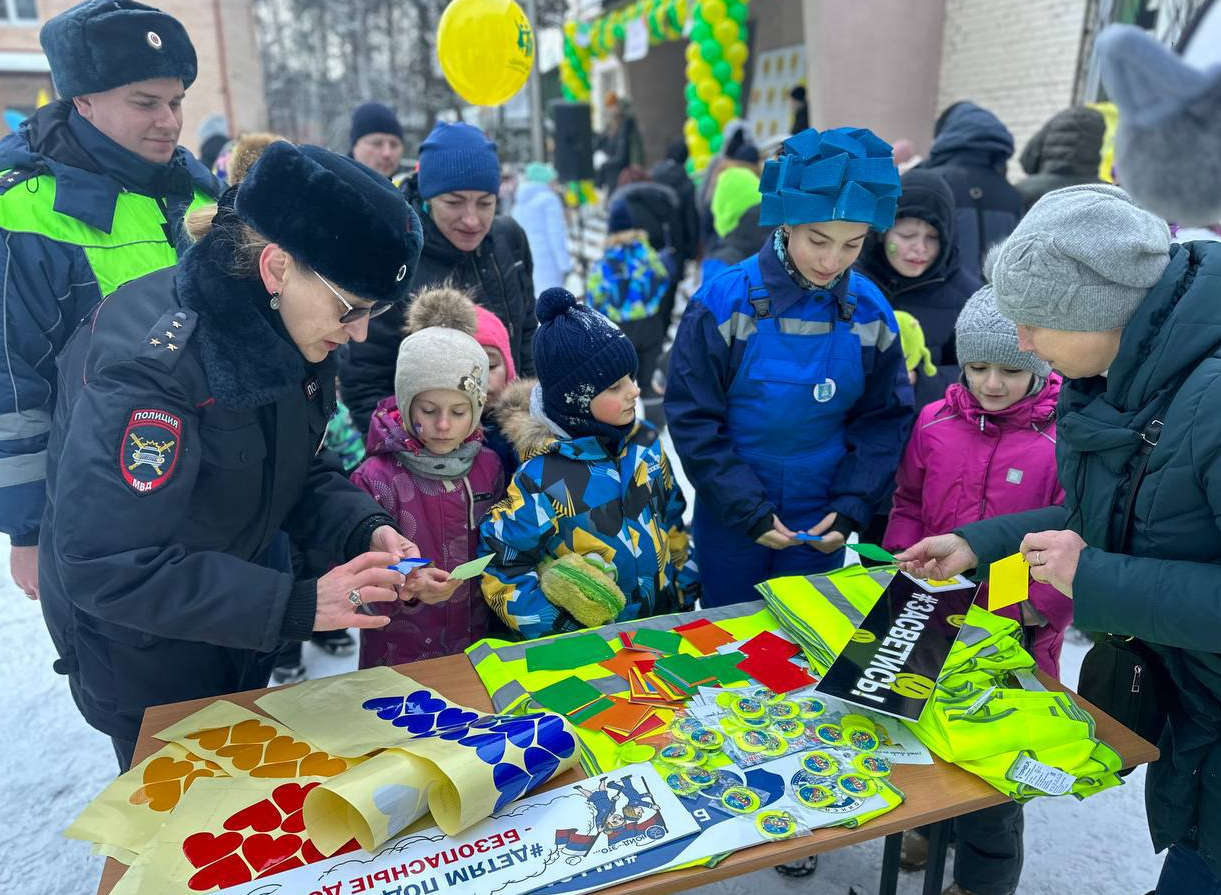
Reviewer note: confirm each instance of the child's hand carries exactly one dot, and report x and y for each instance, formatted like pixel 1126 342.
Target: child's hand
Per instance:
pixel 431 585
pixel 940 557
pixel 779 538
pixel 831 540
pixel 386 540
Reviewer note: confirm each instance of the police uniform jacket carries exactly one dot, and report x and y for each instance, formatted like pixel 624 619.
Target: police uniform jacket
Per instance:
pixel 186 435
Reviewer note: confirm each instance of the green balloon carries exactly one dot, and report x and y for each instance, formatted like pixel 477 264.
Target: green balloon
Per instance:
pixel 722 71
pixel 697 109
pixel 618 32
pixel 708 127
pixel 690 94
pixel 701 33
pixel 714 143
pixel 710 50
pixel 732 89
pixel 737 11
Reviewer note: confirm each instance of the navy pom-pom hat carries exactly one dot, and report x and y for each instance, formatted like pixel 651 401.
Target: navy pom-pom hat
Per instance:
pixel 845 174
pixel 578 353
pixel 102 44
pixel 336 216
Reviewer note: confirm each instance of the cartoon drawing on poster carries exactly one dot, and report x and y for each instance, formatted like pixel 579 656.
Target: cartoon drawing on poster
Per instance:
pixel 620 811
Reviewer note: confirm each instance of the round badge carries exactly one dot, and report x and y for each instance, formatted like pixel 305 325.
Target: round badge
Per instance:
pixel 740 800
pixel 681 753
pixel 831 734
pixel 820 764
pixel 857 785
pixel 747 707
pixel 399 277
pixel 679 786
pixel 687 726
pixel 783 710
pixel 154 40
pixel 816 795
pixel 856 722
pixel 776 824
pixel 811 707
pixel 698 777
pixel 789 728
pixel 753 723
pixel 863 740
pixel 761 741
pixel 725 700
pixel 872 765
pixel 707 738
pixel 824 391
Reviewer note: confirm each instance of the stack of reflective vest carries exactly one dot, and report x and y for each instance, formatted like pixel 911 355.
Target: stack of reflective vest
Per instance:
pixel 1024 742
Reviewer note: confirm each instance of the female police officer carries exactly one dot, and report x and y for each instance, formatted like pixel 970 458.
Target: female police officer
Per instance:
pixel 190 413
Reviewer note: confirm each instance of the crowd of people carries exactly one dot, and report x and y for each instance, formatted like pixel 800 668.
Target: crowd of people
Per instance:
pixel 237 399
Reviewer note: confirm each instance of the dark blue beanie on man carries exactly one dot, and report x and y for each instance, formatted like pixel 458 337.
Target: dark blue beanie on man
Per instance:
pixel 457 157
pixel 102 44
pixel 373 118
pixel 578 353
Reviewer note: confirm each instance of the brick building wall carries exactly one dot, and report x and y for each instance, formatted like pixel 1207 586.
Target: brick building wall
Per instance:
pixel 1018 58
pixel 230 79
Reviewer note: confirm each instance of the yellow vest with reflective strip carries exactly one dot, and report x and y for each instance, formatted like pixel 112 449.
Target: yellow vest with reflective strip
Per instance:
pixel 135 246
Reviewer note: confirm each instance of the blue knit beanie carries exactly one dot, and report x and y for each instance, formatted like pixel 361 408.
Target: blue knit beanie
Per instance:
pixel 578 353
pixel 373 118
pixel 620 217
pixel 102 44
pixel 457 157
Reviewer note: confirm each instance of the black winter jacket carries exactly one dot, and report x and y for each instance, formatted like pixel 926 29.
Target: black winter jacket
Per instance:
pixel 186 436
pixel 1066 151
pixel 672 174
pixel 500 276
pixel 970 152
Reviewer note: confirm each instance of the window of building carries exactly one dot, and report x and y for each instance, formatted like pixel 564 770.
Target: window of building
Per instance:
pixel 18 11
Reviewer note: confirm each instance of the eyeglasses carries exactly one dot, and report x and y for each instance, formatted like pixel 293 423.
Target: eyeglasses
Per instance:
pixel 352 314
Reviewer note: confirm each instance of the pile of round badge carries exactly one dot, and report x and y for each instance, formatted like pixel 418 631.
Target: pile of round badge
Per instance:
pixel 776 824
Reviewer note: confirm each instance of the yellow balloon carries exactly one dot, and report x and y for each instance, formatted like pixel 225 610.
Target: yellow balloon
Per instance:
pixel 707 89
pixel 701 161
pixel 691 130
pixel 721 109
pixel 698 71
pixel 693 52
pixel 736 53
pixel 739 72
pixel 486 49
pixel 725 31
pixel 714 11
pixel 699 146
pixel 680 8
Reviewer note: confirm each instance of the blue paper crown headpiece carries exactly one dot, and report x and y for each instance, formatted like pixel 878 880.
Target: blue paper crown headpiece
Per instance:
pixel 844 174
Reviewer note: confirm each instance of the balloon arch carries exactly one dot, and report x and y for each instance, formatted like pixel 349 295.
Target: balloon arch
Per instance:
pixel 716 60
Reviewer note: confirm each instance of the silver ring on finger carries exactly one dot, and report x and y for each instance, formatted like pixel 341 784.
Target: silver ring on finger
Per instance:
pixel 354 598
pixel 1038 555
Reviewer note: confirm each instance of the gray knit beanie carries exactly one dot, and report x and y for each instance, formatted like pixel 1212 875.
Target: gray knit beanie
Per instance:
pixel 441 358
pixel 985 337
pixel 1082 260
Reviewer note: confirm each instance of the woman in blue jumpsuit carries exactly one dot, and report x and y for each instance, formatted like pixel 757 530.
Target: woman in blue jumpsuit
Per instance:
pixel 788 399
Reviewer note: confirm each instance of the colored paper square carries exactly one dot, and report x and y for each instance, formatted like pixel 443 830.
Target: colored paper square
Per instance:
pixel 471 569
pixel 623 661
pixel 567 695
pixel 1008 582
pixel 725 667
pixel 568 653
pixel 778 675
pixel 620 714
pixel 581 715
pixel 771 644
pixel 657 641
pixel 649 725
pixel 706 638
pixel 872 551
pixel 684 670
pixel 690 626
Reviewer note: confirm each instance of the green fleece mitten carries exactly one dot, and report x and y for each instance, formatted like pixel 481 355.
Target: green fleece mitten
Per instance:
pixel 911 337
pixel 588 594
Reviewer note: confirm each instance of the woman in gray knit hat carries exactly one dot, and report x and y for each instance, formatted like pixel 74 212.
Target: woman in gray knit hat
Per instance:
pixel 1134 324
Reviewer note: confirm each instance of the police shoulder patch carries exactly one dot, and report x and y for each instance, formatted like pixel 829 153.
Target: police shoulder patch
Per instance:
pixel 14 177
pixel 148 455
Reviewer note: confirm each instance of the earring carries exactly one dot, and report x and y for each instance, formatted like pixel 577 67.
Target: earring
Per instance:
pixel 275 301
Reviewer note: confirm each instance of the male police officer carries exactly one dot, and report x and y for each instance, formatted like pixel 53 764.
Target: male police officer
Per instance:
pixel 94 190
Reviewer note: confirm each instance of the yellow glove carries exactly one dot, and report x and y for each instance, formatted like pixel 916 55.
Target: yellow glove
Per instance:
pixel 911 337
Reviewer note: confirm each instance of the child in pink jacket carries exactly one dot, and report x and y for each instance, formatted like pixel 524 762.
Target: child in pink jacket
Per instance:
pixel 429 468
pixel 987 449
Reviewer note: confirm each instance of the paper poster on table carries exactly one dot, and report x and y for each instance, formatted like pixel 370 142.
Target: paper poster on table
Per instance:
pixel 893 659
pixel 721 832
pixel 532 843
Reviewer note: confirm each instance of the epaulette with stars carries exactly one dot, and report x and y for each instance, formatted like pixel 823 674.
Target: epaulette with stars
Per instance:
pixel 167 340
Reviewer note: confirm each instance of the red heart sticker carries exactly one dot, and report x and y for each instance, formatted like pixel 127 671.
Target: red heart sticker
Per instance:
pixel 264 852
pixel 228 871
pixel 291 796
pixel 262 817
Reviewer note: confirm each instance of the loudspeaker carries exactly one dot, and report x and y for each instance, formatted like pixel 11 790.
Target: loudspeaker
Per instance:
pixel 574 141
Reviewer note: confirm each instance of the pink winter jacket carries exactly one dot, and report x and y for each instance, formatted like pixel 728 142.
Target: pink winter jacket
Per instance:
pixel 964 464
pixel 442 517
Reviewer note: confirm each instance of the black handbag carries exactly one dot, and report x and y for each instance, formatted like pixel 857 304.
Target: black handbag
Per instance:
pixel 1123 676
